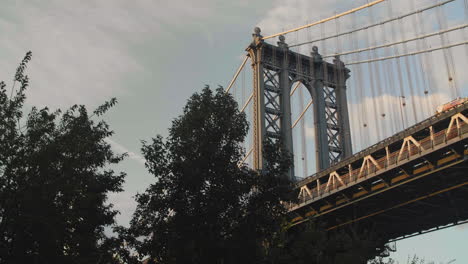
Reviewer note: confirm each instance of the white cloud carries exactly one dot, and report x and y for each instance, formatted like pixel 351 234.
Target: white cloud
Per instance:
pixel 75 60
pixel 288 14
pixel 121 150
pixel 82 50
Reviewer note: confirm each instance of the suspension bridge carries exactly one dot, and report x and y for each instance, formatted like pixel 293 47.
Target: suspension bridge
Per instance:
pixel 354 97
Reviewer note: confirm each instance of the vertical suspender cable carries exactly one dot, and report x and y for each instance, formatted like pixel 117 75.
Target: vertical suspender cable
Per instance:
pixel 465 12
pixel 303 135
pixel 447 66
pixel 243 86
pixel 408 67
pixel 301 106
pixel 447 54
pixel 372 85
pixel 401 97
pixel 362 100
pixel 390 75
pixel 236 74
pixel 422 84
pixel 378 98
pixel 429 75
pixel 354 94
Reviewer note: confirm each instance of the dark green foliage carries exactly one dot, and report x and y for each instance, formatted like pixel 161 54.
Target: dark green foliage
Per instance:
pixel 54 180
pixel 102 109
pixel 413 260
pixel 380 260
pixel 311 243
pixel 203 207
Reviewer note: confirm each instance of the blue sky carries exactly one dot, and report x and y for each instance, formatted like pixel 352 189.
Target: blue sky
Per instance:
pixel 152 55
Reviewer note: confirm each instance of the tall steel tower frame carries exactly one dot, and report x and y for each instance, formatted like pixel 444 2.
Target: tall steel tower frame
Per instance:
pixel 275 70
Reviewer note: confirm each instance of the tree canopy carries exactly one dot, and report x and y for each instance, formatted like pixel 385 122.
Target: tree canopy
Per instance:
pixel 54 181
pixel 205 206
pixel 311 243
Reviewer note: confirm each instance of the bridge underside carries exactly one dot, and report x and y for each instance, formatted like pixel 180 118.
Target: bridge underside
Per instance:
pixel 401 203
pixel 433 201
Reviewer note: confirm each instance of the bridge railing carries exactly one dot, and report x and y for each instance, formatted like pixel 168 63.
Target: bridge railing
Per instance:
pixel 370 166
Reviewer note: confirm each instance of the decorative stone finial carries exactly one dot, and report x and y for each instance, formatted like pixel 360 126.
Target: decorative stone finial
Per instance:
pixel 257 38
pixel 337 61
pixel 257 30
pixel 315 55
pixel 281 42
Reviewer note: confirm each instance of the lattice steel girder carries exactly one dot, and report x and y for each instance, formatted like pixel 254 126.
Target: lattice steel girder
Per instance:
pixel 447 152
pixel 275 69
pixel 425 130
pixel 392 196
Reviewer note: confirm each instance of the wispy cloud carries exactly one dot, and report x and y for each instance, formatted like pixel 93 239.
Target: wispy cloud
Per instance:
pixel 82 50
pixel 121 149
pixel 76 59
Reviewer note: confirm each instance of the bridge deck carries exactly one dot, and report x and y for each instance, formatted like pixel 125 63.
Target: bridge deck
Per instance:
pixel 398 165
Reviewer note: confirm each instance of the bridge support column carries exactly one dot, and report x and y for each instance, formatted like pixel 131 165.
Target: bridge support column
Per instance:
pixel 285 104
pixel 342 108
pixel 259 130
pixel 320 125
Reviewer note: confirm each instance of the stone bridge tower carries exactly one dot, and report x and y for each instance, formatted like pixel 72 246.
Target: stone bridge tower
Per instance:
pixel 275 69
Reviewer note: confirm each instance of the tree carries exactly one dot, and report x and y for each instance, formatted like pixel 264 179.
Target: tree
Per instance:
pixel 311 243
pixel 54 181
pixel 204 207
pixel 414 260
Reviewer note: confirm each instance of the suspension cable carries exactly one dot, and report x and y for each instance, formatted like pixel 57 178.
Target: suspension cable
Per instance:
pixel 408 54
pixel 425 69
pixel 357 94
pixel 397 42
pixel 247 103
pixel 376 24
pixel 420 80
pixel 245 158
pixel 326 19
pixel 237 74
pixel 448 57
pixel 387 87
pixel 295 88
pixel 374 81
pixel 302 114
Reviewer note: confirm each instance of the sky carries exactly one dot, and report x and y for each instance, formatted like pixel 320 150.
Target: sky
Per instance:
pixel 152 55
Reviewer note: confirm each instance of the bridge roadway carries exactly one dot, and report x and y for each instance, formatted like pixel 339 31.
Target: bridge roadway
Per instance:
pixel 411 183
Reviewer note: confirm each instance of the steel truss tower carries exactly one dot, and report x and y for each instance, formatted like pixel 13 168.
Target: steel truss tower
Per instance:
pixel 275 69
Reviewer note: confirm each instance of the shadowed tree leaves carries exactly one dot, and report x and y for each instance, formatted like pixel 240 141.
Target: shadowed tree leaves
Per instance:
pixel 311 243
pixel 203 206
pixel 54 180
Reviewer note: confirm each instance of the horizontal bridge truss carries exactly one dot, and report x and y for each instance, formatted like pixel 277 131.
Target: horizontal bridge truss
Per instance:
pixel 429 147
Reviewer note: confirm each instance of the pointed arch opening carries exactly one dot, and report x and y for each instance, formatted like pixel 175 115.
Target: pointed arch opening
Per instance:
pixel 302 129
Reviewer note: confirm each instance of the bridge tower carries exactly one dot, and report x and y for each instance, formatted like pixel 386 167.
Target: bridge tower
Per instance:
pixel 275 69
